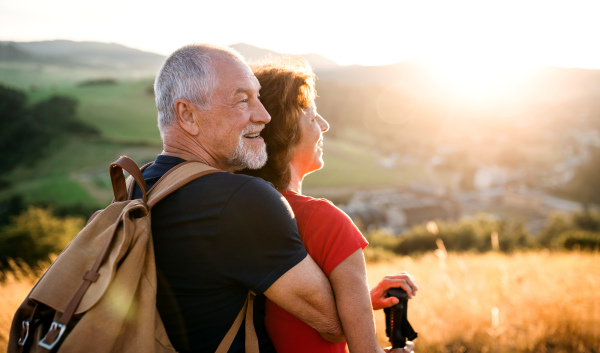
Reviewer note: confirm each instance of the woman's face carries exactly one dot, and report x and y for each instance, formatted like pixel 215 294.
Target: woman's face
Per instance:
pixel 308 153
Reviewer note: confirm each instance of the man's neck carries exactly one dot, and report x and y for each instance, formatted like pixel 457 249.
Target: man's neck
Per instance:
pixel 178 144
pixel 183 155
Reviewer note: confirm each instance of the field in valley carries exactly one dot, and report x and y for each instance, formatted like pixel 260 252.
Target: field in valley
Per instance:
pixel 525 302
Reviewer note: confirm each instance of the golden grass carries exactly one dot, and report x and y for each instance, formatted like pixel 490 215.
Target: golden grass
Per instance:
pixel 527 302
pixel 14 287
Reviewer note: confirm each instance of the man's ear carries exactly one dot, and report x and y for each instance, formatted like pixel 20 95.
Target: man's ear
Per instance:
pixel 186 113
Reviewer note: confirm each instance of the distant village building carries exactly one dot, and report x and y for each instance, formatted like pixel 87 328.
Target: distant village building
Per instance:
pixel 488 177
pixel 496 190
pixel 522 198
pixel 398 209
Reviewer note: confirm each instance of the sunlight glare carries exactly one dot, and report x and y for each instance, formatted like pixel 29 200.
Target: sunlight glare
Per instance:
pixel 478 79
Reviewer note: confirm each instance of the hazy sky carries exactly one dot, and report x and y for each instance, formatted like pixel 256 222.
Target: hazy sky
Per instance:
pixel 374 32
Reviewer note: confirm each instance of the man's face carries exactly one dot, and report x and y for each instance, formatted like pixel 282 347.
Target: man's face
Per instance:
pixel 230 130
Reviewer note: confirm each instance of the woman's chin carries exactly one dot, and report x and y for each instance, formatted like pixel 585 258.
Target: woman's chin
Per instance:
pixel 319 165
pixel 315 167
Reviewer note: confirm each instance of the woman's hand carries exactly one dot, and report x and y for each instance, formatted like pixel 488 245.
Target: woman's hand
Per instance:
pixel 400 279
pixel 409 348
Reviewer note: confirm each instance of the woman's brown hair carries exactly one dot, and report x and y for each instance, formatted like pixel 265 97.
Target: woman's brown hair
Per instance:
pixel 287 88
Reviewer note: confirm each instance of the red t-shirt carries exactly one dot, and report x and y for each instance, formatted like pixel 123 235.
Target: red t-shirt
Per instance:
pixel 329 236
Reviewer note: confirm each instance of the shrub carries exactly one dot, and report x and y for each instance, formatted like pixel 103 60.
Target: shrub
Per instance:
pixel 559 224
pixel 382 238
pixel 104 81
pixel 556 225
pixel 579 240
pixel 382 245
pixel 471 234
pixel 35 234
pixel 378 254
pixel 417 240
pixel 587 221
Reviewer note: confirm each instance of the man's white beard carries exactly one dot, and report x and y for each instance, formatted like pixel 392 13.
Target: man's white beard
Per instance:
pixel 246 156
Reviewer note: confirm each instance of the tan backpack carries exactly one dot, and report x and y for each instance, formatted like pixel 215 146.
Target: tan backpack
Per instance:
pixel 99 295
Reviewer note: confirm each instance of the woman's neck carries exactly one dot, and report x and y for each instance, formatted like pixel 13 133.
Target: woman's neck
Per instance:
pixel 296 178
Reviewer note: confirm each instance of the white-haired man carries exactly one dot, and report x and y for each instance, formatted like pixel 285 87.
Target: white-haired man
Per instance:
pixel 224 234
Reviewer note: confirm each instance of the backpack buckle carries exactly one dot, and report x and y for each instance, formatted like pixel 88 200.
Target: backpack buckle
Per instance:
pixel 55 326
pixel 24 333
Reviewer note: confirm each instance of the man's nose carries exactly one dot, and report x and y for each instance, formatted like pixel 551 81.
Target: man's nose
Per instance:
pixel 260 114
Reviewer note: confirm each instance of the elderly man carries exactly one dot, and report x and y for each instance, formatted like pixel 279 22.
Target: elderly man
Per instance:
pixel 224 234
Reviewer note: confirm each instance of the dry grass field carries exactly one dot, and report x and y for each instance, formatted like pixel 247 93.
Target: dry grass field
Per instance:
pixel 526 302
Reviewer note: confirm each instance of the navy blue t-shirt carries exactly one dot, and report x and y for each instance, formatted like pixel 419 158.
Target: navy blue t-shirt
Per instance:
pixel 214 239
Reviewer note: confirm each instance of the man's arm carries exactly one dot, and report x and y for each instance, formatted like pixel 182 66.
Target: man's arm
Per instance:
pixel 305 292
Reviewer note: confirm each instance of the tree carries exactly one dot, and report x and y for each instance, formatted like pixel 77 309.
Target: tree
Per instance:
pixel 26 132
pixel 15 119
pixel 585 186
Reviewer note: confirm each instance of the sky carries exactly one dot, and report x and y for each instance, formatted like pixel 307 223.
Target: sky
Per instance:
pixel 462 35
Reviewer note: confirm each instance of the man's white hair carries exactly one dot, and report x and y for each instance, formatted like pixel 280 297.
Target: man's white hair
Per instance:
pixel 188 73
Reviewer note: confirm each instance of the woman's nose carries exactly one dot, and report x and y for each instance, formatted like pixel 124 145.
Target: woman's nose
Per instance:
pixel 323 123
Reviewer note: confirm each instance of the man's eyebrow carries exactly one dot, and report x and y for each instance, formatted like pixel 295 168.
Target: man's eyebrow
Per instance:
pixel 245 90
pixel 240 90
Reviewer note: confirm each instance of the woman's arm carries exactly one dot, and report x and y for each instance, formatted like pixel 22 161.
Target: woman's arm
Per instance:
pixel 350 288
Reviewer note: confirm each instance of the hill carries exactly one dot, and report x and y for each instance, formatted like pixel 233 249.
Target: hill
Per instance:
pixel 111 59
pixel 11 52
pixel 65 62
pixel 86 54
pixel 398 112
pixel 318 62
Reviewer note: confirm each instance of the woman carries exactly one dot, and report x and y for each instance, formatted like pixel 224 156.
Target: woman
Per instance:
pixel 294 139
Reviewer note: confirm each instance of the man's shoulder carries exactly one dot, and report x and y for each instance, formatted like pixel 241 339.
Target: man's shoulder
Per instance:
pixel 233 188
pixel 234 182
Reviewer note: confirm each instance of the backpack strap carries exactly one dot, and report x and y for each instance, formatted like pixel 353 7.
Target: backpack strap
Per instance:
pixel 118 178
pixel 251 338
pixel 177 177
pixel 59 326
pixel 174 179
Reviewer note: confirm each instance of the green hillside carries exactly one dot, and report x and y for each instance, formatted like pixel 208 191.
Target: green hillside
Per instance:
pixel 122 112
pixel 77 173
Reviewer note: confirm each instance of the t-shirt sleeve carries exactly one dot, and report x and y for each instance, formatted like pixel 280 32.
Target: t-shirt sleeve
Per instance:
pixel 260 235
pixel 330 236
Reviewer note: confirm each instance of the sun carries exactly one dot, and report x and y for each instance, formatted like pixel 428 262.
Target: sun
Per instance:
pixel 479 79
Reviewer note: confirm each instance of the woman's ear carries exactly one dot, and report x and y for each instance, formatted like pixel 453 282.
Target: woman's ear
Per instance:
pixel 186 113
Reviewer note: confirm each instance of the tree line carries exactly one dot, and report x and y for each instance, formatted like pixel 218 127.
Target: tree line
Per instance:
pixel 576 231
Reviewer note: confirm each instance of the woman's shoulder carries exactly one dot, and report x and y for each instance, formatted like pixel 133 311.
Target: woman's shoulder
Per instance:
pixel 310 206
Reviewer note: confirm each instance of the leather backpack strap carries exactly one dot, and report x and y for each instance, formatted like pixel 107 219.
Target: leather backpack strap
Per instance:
pixel 251 338
pixel 119 184
pixel 118 179
pixel 177 177
pixel 130 181
pixel 58 327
